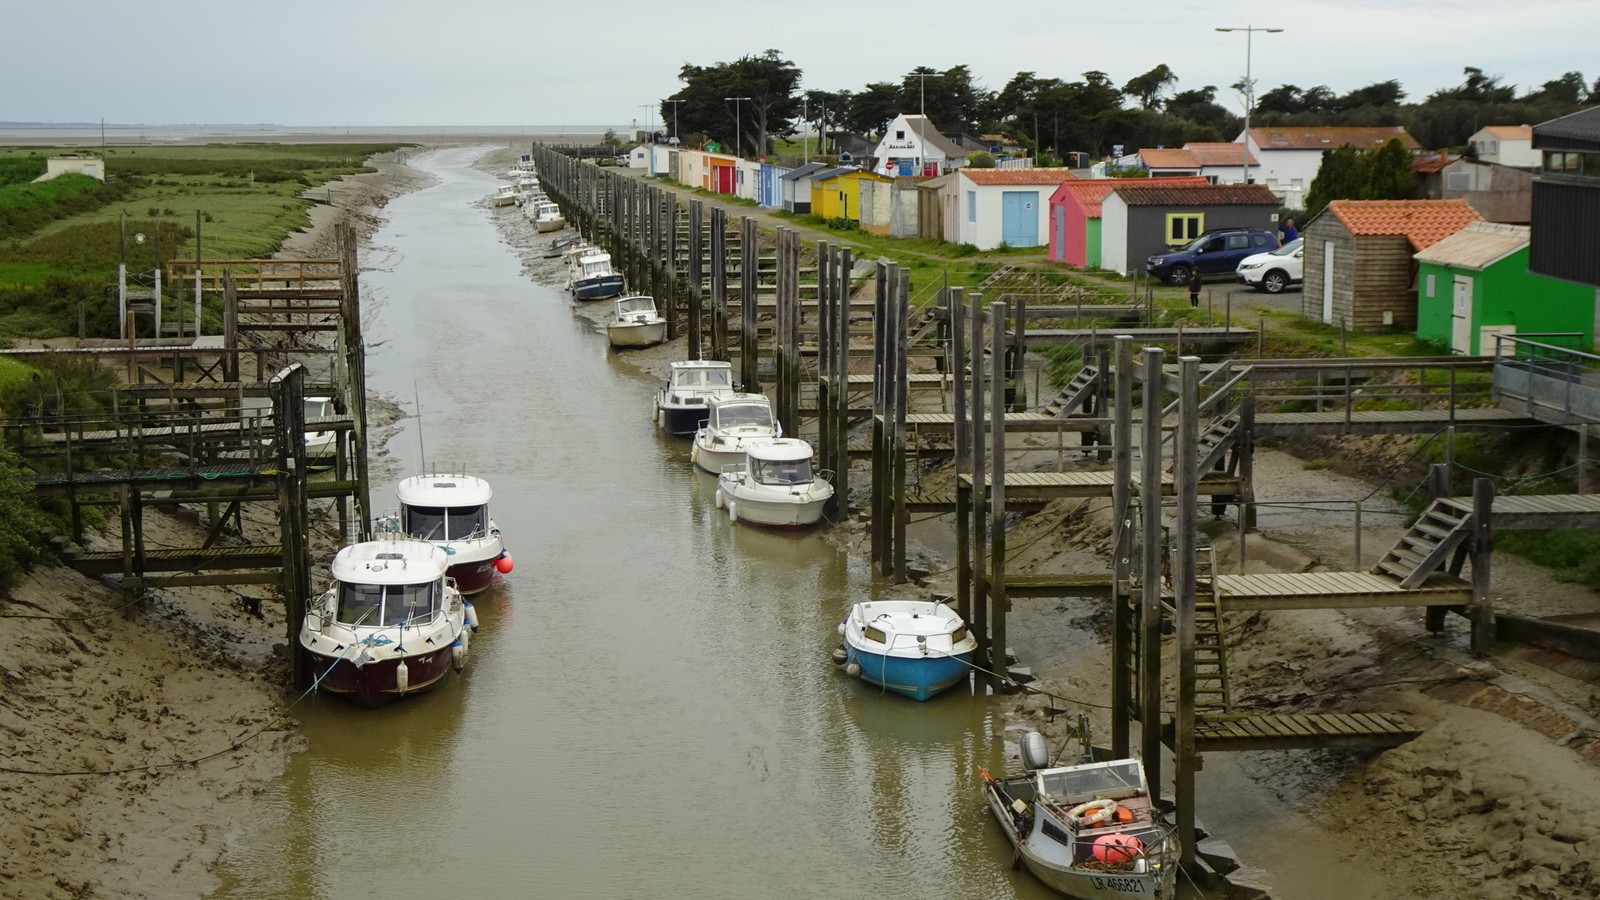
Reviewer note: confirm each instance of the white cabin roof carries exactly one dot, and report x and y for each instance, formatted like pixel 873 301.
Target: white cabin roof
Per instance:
pixel 389 562
pixel 700 364
pixel 778 449
pixel 443 490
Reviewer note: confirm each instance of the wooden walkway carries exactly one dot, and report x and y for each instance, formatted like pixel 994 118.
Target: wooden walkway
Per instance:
pixel 1336 590
pixel 1537 512
pixel 1033 489
pixel 1055 337
pixel 1395 421
pixel 1242 731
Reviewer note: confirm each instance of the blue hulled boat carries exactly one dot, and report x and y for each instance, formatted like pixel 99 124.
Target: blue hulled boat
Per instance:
pixel 912 647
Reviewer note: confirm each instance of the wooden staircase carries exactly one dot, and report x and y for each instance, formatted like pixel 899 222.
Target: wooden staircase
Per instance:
pixel 1441 529
pixel 1219 437
pixel 1210 650
pixel 1074 397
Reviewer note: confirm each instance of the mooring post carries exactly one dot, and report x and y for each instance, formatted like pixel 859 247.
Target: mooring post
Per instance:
pixel 1482 554
pixel 1122 622
pixel 955 365
pixel 719 283
pixel 878 508
pixel 900 297
pixel 1186 459
pixel 1150 568
pixel 823 402
pixel 980 524
pixel 999 603
pixel 841 427
pixel 288 416
pixel 749 347
pixel 697 276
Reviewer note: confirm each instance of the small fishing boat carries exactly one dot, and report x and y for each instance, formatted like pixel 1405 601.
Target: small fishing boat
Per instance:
pixel 731 421
pixel 451 510
pixel 1090 829
pixel 776 487
pixel 504 195
pixel 393 623
pixel 590 276
pixel 320 444
pixel 912 647
pixel 634 322
pixel 681 402
pixel 547 216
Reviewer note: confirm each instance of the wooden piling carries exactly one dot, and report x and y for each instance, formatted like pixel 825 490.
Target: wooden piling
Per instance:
pixel 999 603
pixel 749 260
pixel 1186 458
pixel 1122 607
pixel 1150 567
pixel 955 364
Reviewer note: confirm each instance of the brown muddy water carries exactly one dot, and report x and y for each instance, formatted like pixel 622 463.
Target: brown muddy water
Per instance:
pixel 649 709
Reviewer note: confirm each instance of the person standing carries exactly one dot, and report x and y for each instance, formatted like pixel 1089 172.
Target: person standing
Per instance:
pixel 1289 231
pixel 1194 286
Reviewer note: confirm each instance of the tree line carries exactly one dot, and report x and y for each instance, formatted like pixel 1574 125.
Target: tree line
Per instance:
pixel 757 98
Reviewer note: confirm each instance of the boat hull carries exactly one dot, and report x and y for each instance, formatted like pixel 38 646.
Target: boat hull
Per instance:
pixel 375 683
pixel 548 225
pixel 765 513
pixel 1081 883
pixel 473 577
pixel 597 288
pixel 647 334
pixel 682 420
pixel 916 677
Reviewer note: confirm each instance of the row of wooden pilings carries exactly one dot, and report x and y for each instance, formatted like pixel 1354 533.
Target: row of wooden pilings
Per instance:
pixel 639 224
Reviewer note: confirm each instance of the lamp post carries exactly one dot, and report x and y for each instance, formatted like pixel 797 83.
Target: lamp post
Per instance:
pixel 1249 86
pixel 738 125
pixel 922 114
pixel 649 119
pixel 674 116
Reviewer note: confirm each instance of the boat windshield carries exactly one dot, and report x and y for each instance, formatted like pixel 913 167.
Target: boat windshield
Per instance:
pixel 387 604
pixel 446 523
pixel 1118 779
pixel 635 304
pixel 318 407
pixel 744 414
pixel 704 378
pixel 781 471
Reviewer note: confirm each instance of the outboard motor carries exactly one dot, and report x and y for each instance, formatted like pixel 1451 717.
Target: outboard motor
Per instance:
pixel 1035 752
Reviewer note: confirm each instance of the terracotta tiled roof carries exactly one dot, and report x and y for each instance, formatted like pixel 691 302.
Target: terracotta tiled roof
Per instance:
pixel 1219 153
pixel 1511 132
pixel 1168 158
pixel 1137 194
pixel 1431 163
pixel 1090 191
pixel 1017 176
pixel 1422 222
pixel 1361 138
pixel 1477 246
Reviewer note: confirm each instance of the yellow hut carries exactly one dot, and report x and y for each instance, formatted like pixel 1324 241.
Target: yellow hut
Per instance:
pixel 836 193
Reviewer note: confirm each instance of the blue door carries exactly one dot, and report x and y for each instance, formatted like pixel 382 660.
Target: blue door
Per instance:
pixel 1019 218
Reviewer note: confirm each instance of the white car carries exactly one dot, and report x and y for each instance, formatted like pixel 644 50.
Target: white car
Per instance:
pixel 1276 270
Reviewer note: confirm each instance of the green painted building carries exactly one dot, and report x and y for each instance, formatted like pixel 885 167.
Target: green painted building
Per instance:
pixel 1475 284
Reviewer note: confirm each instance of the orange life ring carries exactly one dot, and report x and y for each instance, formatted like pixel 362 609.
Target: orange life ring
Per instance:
pixel 1093 813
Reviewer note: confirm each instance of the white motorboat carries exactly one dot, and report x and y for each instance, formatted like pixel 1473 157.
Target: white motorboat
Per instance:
pixel 634 322
pixel 504 195
pixel 917 648
pixel 1089 830
pixel 392 624
pixel 681 402
pixel 547 216
pixel 320 444
pixel 590 276
pixel 451 509
pixel 732 421
pixel 776 487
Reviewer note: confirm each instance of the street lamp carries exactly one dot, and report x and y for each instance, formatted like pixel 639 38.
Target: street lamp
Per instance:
pixel 738 125
pixel 1249 87
pixel 674 116
pixel 922 115
pixel 649 119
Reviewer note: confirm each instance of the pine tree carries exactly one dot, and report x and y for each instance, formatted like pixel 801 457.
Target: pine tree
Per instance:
pixel 1389 172
pixel 1341 176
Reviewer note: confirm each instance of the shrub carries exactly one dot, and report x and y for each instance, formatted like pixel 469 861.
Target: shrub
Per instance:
pixel 21 522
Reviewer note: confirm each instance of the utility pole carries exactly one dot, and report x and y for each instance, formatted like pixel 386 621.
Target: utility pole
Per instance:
pixel 674 115
pixel 738 124
pixel 1249 86
pixel 922 116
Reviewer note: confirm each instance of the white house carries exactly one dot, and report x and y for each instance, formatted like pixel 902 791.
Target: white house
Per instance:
pixel 1290 157
pixel 1507 145
pixel 74 164
pixel 1005 206
pixel 912 146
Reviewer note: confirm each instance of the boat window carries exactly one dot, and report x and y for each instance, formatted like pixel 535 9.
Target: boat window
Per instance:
pixel 1110 780
pixel 635 304
pixel 426 522
pixel 410 603
pixel 719 377
pixel 360 604
pixel 465 521
pixel 873 634
pixel 744 414
pixel 316 409
pixel 781 471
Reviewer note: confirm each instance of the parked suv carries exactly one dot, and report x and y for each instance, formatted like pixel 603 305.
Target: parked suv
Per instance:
pixel 1274 271
pixel 1213 253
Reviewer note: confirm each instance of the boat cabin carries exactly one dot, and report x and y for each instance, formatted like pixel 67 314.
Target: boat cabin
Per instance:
pixel 700 376
pixel 388 583
pixel 444 507
pixel 636 307
pixel 740 411
pixel 780 462
pixel 593 264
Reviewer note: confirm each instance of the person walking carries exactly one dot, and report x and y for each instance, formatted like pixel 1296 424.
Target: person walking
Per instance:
pixel 1194 286
pixel 1289 231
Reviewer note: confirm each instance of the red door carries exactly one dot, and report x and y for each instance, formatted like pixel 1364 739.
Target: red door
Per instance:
pixel 726 179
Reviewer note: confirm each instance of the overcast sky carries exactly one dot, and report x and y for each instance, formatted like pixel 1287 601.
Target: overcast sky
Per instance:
pixel 539 62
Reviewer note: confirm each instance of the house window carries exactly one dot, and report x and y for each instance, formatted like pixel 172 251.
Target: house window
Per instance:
pixel 972 206
pixel 1184 227
pixel 1458 181
pixel 900 134
pixel 1428 291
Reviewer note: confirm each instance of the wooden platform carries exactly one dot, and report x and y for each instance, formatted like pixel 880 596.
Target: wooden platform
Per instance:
pixel 1241 731
pixel 258 556
pixel 1054 337
pixel 1389 421
pixel 1059 585
pixel 1336 590
pixel 1537 512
